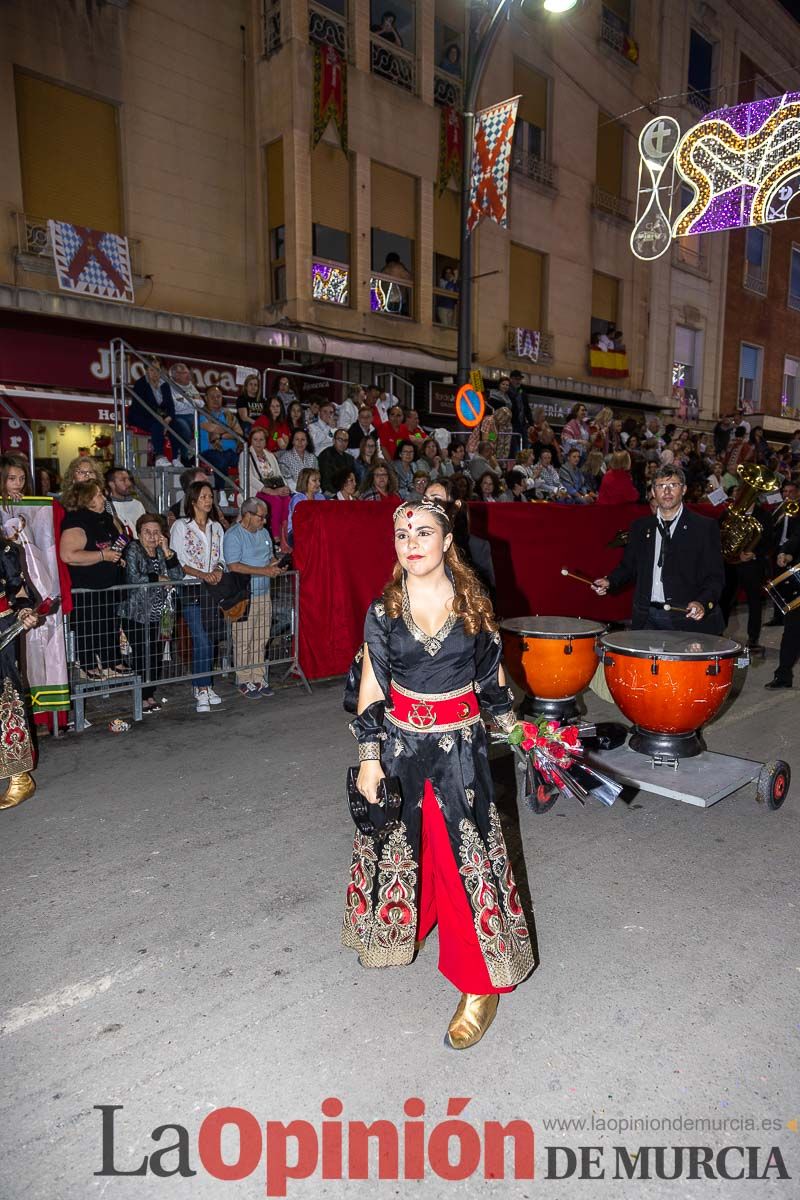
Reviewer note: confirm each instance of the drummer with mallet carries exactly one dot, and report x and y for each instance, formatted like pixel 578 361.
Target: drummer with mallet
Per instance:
pixel 674 558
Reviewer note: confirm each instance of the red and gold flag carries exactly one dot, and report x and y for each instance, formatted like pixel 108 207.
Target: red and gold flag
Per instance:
pixel 450 147
pixel 330 93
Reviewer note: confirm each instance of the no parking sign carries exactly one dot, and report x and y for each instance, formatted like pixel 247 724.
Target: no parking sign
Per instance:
pixel 470 406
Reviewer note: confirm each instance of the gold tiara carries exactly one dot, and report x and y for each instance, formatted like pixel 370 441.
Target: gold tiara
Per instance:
pixel 425 505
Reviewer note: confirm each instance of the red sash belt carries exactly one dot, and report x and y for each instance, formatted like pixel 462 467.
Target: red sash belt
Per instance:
pixel 419 713
pixel 4 605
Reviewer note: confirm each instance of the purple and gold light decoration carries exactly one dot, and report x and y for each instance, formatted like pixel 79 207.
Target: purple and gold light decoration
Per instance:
pixel 742 164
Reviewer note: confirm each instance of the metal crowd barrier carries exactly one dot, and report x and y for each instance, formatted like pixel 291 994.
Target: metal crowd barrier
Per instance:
pixel 145 637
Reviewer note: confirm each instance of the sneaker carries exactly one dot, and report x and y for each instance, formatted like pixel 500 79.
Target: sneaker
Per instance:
pixel 265 690
pixel 202 704
pixel 162 461
pixel 213 698
pixel 249 691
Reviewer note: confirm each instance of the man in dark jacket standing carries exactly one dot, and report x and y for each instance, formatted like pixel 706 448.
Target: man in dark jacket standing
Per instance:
pixel 153 399
pixel 675 560
pixel 790 642
pixel 521 416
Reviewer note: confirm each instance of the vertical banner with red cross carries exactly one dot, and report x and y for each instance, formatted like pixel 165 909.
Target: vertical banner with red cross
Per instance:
pixel 330 93
pixel 491 163
pixel 450 147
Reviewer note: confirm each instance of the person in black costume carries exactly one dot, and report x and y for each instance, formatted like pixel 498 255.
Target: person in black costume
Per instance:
pixel 748 574
pixel 430 662
pixel 790 642
pixel 16 748
pixel 674 557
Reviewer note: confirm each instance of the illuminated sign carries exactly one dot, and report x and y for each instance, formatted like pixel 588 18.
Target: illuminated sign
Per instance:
pixel 742 165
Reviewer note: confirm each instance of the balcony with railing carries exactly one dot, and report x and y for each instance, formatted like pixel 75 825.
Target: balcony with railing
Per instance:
pixel 392 63
pixel 327 28
pixel 755 279
pixel 615 35
pixel 446 89
pixel 533 344
pixel 533 167
pixel 390 296
pixel 699 100
pixel 330 281
pixel 271 26
pixel 445 307
pixel 34 250
pixel 611 205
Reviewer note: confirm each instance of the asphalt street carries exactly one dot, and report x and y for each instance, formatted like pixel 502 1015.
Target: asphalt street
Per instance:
pixel 172 899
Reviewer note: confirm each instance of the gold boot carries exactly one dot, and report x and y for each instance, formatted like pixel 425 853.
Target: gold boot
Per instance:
pixel 20 788
pixel 470 1021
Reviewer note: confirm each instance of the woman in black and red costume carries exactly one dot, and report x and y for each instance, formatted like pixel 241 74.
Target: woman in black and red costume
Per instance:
pixel 431 662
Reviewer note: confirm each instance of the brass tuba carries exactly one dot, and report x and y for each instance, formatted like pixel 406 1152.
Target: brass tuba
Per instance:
pixel 740 532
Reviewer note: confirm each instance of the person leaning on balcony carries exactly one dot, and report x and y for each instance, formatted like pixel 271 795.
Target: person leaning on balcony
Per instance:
pixel 218 430
pixel 152 399
pixel 249 551
pixel 388 29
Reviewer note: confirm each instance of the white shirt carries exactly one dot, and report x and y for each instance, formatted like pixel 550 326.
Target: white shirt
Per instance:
pixel 346 414
pixel 657 590
pixel 186 400
pixel 128 513
pixel 321 436
pixel 195 547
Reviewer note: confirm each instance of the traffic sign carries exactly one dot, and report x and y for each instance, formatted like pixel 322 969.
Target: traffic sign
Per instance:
pixel 470 406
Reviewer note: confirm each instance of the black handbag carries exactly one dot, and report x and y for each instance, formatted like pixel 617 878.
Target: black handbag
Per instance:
pixel 375 820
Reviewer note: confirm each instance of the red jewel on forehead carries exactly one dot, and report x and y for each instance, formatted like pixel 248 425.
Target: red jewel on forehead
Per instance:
pixel 409 512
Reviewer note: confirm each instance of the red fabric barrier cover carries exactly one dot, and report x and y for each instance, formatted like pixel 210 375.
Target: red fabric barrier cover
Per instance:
pixel 345 554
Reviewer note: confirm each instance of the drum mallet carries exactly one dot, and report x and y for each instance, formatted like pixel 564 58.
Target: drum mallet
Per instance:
pixel 573 575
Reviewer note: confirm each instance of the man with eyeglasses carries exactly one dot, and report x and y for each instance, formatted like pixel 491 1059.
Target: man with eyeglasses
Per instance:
pixel 248 551
pixel 333 461
pixel 674 558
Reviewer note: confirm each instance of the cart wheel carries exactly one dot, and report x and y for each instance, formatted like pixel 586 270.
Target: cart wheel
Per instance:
pixel 773 783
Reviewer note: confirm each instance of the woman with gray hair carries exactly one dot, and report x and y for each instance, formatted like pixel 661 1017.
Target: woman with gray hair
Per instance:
pixel 248 550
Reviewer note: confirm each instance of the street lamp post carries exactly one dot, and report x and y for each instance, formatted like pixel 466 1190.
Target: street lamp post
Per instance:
pixel 479 49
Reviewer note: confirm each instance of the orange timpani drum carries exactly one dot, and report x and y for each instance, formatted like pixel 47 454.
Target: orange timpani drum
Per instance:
pixel 552 659
pixel 669 683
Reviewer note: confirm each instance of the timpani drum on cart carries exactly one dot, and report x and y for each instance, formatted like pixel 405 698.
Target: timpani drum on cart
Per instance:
pixel 670 684
pixel 552 659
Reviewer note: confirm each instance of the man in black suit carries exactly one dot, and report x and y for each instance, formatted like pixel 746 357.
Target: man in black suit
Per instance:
pixel 784 529
pixel 790 642
pixel 675 559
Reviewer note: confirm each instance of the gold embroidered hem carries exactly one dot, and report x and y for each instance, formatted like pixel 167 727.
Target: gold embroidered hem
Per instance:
pixel 16 751
pixel 503 936
pixel 383 934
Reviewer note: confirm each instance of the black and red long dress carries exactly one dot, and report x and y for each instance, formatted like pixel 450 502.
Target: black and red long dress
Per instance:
pixel 447 862
pixel 16 749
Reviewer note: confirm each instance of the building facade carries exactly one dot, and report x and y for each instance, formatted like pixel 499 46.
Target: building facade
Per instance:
pixel 190 131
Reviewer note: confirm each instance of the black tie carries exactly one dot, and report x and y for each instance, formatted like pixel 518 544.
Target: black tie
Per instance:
pixel 664 530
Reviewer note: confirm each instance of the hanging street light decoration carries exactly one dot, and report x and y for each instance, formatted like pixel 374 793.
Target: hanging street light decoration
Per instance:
pixel 742 165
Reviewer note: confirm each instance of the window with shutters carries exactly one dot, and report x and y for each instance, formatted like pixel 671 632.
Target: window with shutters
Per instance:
pixel 609 175
pixel 794 278
pixel 393 241
pixel 530 150
pixel 605 306
pixel 69 156
pixel 276 220
pixel 700 72
pixel 750 361
pixel 525 288
pixel 791 388
pixel 446 256
pixel 330 210
pixel 756 260
pixel 393 42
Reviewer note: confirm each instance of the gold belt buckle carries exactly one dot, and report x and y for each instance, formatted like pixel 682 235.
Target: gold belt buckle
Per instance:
pixel 421 715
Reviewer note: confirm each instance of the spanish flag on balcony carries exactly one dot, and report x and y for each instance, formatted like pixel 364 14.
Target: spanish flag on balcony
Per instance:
pixel 613 364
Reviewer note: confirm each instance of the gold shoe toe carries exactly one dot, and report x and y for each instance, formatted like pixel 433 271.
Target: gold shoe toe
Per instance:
pixel 470 1021
pixel 20 788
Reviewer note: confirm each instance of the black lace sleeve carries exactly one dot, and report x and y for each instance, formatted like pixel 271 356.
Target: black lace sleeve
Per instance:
pixel 368 725
pixel 492 695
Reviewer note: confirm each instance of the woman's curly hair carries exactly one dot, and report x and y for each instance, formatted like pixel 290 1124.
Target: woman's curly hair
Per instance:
pixel 470 602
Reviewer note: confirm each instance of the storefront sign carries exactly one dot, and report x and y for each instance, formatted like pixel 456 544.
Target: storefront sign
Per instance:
pixel 442 399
